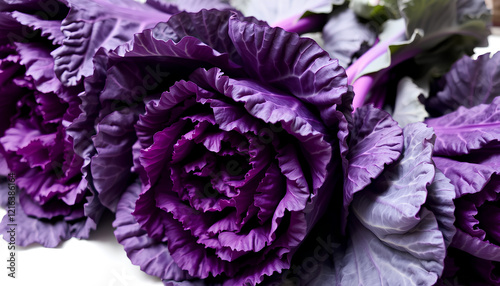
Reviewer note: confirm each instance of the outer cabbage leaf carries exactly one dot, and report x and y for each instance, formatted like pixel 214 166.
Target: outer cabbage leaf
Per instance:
pixel 112 141
pixel 39 65
pixel 49 28
pixel 468 83
pixel 304 62
pixel 47 233
pixel 468 177
pixel 441 194
pixel 107 24
pixel 408 107
pixel 151 255
pixel 39 15
pixel 345 36
pixel 391 225
pixel 376 141
pixel 466 129
pixel 98 23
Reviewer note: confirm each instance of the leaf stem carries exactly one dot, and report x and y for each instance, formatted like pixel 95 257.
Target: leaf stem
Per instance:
pixel 295 24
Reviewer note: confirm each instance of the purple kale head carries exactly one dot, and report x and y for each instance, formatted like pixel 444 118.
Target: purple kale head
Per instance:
pixel 237 132
pixel 52 193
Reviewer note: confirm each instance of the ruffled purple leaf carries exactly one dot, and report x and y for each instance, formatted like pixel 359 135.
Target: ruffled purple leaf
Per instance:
pixel 310 64
pixel 477 232
pixel 189 41
pixel 111 165
pixel 301 62
pixel 468 83
pixel 22 20
pixel 51 29
pixel 116 22
pixel 376 141
pixel 467 177
pixel 39 65
pixel 466 129
pixel 151 255
pixel 95 24
pixel 48 233
pixel 476 246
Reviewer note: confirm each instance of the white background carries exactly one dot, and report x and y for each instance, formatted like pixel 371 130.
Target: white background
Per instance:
pixel 100 261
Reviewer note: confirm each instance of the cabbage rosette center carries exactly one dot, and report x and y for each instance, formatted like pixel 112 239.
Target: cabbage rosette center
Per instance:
pixel 230 173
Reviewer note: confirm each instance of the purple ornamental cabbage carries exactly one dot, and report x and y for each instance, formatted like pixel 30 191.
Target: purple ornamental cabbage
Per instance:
pixel 397 219
pixel 53 200
pixel 467 151
pixel 47 49
pixel 236 131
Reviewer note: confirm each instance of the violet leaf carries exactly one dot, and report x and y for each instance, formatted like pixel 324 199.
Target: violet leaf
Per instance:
pixel 468 83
